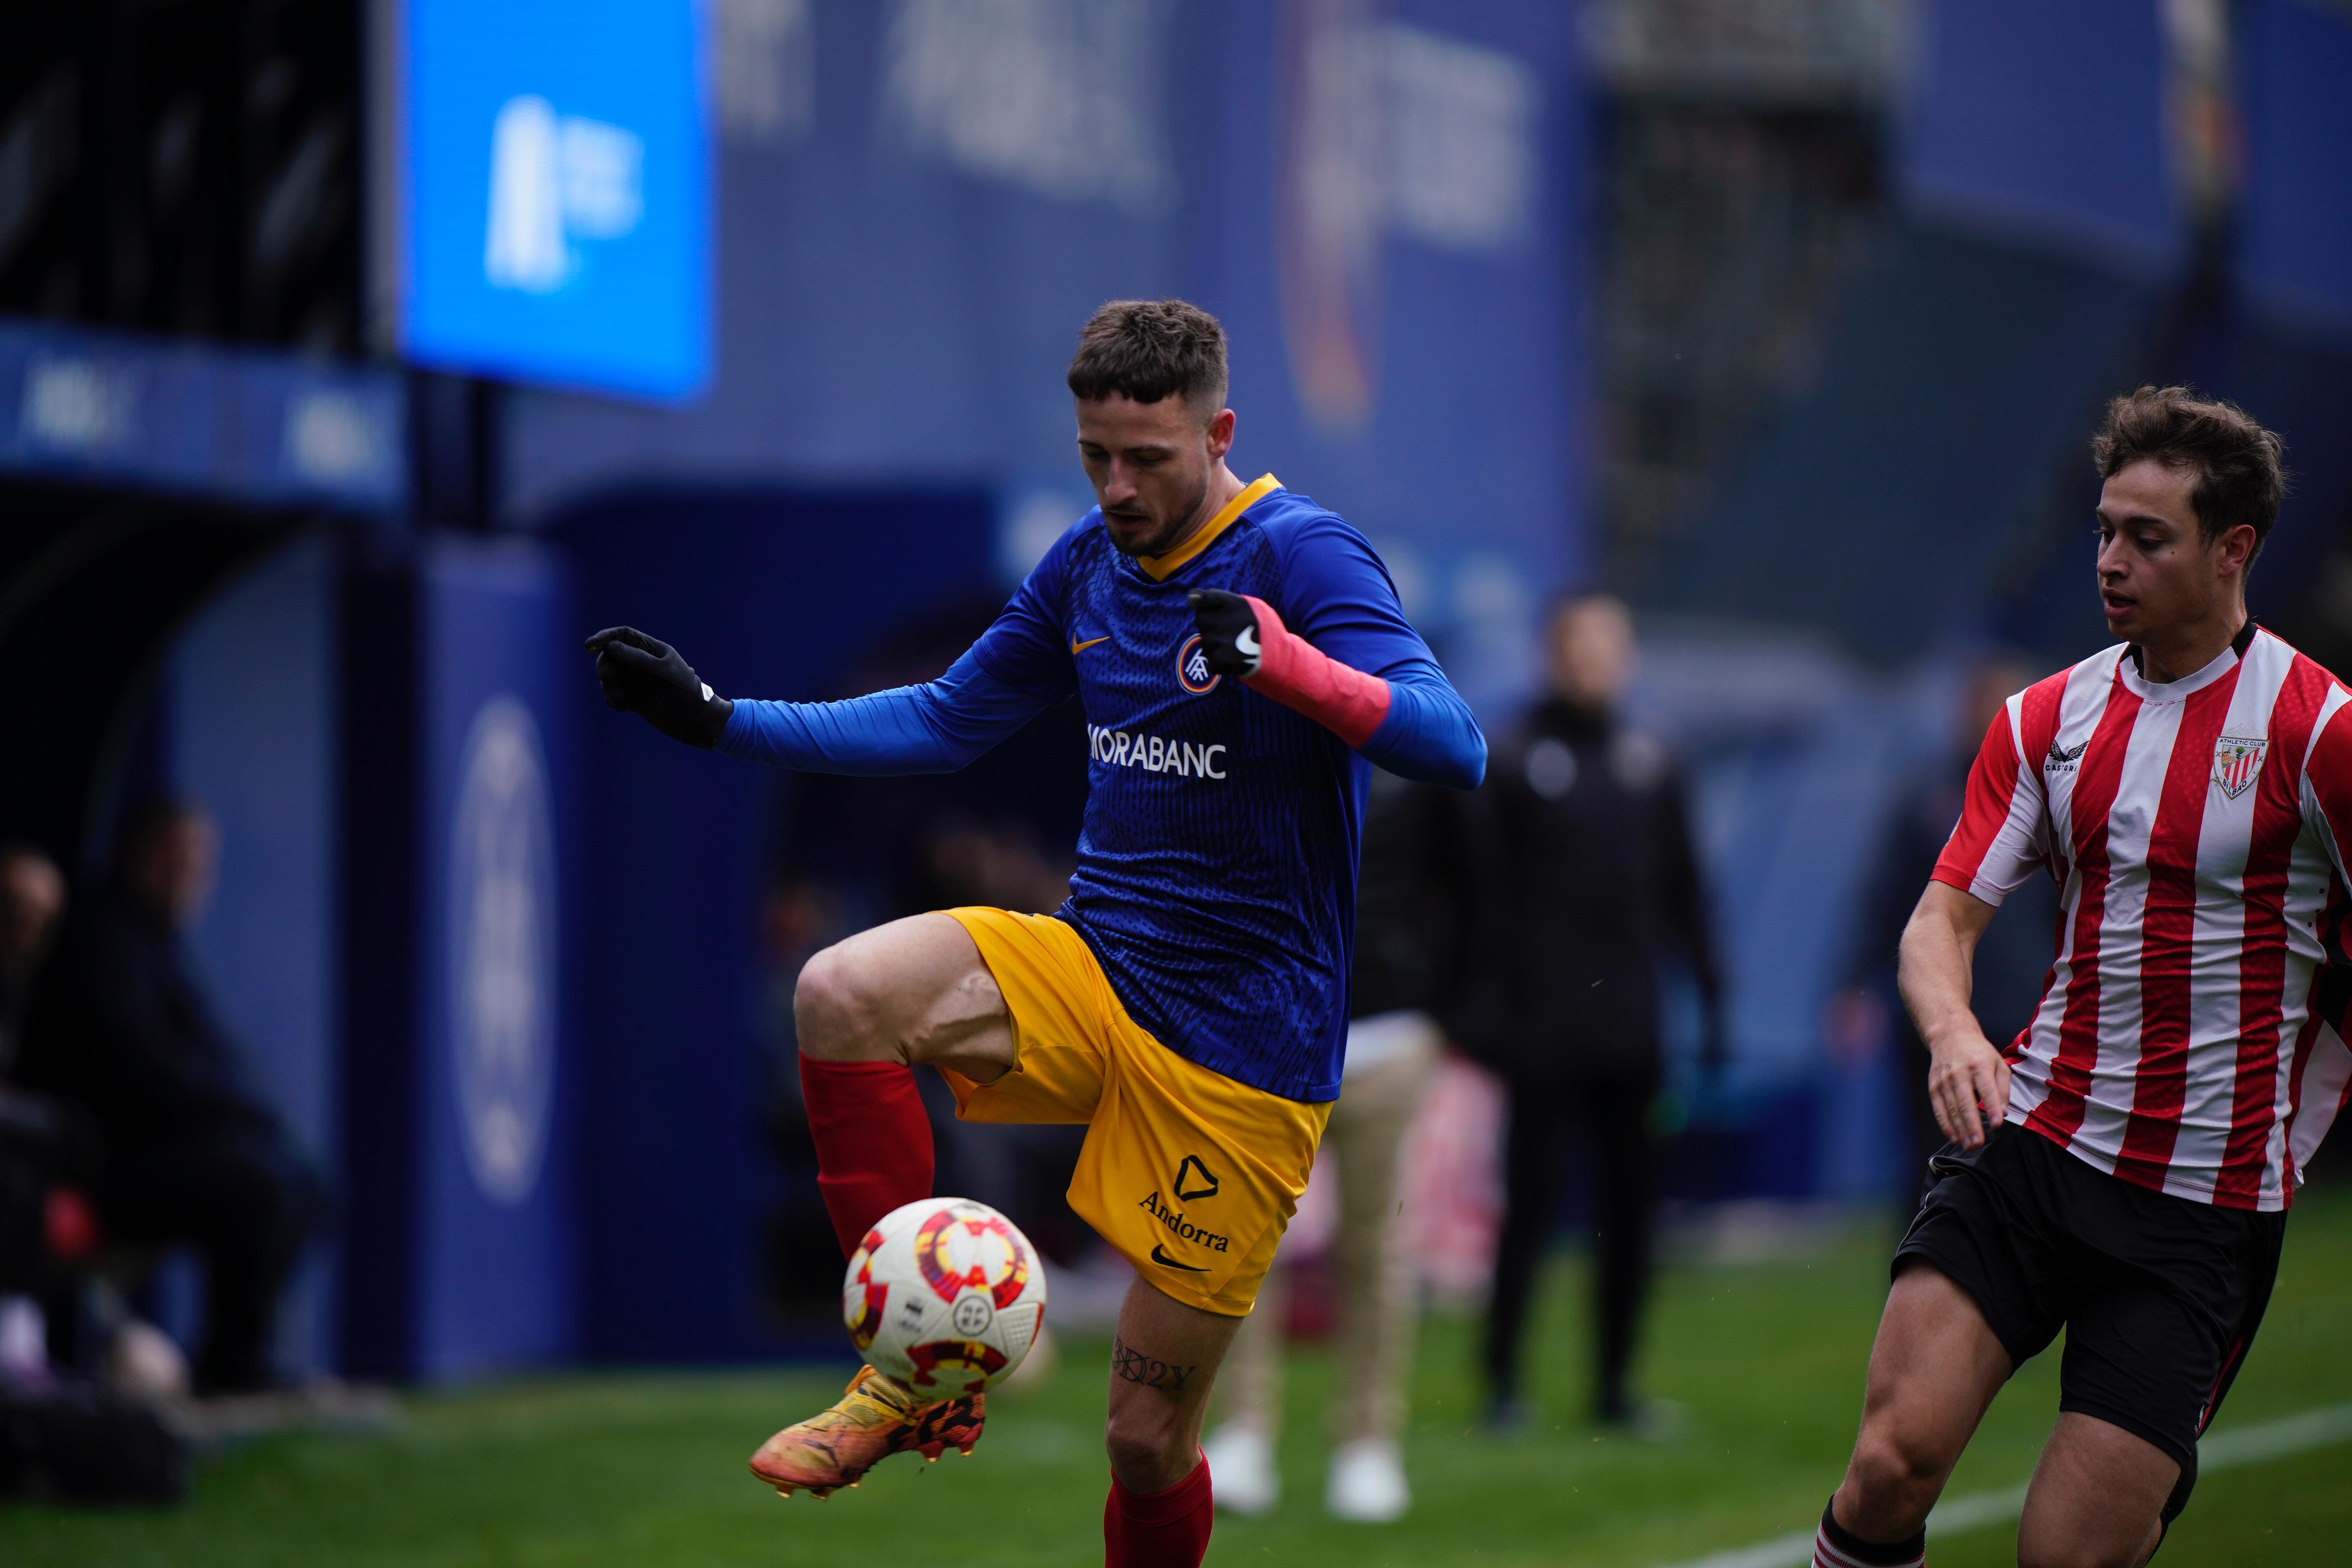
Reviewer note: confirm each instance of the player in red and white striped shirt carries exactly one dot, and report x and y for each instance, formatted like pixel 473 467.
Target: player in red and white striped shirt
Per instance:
pixel 2123 1168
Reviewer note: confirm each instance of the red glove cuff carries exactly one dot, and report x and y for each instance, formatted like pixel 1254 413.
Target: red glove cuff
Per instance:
pixel 1294 673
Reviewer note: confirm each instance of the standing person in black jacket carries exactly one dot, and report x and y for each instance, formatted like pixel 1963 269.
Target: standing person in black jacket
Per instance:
pixel 1591 875
pixel 190 1151
pixel 32 899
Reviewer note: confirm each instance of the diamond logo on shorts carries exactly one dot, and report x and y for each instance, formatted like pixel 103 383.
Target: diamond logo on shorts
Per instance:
pixel 1194 1180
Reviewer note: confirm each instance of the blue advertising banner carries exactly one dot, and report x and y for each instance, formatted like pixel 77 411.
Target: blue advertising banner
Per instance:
pixel 905 259
pixel 554 191
pixel 458 1097
pixel 496 1276
pixel 244 425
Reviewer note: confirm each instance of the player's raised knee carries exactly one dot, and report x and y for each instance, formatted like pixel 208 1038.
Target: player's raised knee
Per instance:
pixel 837 1007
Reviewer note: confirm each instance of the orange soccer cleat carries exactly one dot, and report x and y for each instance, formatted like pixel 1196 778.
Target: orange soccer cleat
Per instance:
pixel 876 1417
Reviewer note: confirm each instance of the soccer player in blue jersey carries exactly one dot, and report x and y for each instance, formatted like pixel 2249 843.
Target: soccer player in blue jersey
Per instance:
pixel 1241 660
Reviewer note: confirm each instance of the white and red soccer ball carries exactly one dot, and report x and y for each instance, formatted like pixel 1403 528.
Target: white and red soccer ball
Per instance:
pixel 944 1294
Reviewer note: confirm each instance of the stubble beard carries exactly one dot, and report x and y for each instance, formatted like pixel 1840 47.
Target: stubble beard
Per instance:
pixel 1163 538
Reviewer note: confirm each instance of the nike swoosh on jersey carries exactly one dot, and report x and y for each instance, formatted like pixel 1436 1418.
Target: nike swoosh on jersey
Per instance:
pixel 1082 646
pixel 1165 1261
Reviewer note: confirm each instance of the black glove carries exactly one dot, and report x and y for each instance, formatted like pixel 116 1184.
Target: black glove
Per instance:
pixel 1228 631
pixel 644 676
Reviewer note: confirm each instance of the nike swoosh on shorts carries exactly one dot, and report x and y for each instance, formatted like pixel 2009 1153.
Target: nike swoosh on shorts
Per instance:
pixel 1165 1261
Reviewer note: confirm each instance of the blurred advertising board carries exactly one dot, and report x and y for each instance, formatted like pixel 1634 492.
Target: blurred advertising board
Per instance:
pixel 245 424
pixel 461 1257
pixel 543 191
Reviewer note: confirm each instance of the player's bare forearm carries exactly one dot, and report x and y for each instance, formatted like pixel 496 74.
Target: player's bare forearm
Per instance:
pixel 1967 1081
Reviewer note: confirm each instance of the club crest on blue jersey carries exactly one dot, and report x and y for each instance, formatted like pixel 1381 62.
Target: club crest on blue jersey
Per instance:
pixel 1192 672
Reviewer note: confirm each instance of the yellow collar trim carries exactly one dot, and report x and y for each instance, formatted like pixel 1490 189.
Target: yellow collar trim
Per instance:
pixel 1159 567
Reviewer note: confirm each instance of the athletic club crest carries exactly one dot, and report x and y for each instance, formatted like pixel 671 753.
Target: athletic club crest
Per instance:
pixel 2235 763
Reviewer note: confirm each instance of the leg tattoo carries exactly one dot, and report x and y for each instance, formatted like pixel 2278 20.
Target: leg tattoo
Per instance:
pixel 1136 1367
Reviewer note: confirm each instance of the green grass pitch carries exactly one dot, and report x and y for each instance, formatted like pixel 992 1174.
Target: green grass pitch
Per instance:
pixel 647 1471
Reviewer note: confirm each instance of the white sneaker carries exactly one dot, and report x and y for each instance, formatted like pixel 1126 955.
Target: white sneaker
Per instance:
pixel 145 1364
pixel 1241 1471
pixel 1368 1482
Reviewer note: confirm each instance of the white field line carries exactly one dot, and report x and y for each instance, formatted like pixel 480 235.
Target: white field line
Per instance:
pixel 2255 1445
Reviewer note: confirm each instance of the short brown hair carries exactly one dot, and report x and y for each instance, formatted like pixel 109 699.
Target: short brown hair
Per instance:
pixel 2241 477
pixel 1149 349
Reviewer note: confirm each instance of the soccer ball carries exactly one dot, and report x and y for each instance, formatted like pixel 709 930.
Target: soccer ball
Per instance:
pixel 945 1295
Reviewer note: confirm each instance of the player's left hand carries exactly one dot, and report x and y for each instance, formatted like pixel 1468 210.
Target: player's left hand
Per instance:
pixel 1967 1084
pixel 1228 631
pixel 644 675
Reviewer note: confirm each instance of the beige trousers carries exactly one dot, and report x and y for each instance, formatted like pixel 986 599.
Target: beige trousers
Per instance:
pixel 1377 1307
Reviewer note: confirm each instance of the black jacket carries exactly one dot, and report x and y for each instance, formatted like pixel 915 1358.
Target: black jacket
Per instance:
pixel 118 1027
pixel 1412 901
pixel 1588 876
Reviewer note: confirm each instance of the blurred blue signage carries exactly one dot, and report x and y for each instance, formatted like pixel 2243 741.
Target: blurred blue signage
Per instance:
pixel 251 426
pixel 502 948
pixel 555 193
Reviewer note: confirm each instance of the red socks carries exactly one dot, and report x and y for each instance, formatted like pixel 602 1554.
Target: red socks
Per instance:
pixel 874 1154
pixel 873 1140
pixel 1159 1530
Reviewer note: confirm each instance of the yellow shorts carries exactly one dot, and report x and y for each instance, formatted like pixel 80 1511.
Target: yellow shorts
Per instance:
pixel 1191 1176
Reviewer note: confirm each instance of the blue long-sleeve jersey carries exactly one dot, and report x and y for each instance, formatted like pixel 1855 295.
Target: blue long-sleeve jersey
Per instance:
pixel 1216 877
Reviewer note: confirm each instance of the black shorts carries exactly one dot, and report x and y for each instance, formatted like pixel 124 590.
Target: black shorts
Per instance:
pixel 2159 1295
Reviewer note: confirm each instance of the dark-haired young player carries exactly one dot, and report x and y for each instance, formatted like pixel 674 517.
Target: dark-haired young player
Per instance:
pixel 2142 1137
pixel 1241 657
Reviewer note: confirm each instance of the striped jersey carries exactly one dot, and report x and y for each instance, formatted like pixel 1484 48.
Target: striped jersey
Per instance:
pixel 2190 1037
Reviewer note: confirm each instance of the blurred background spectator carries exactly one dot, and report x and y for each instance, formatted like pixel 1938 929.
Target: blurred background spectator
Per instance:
pixel 1593 879
pixel 32 898
pixel 1412 917
pixel 189 1149
pixel 63 1433
pixel 2012 956
pixel 46 1225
